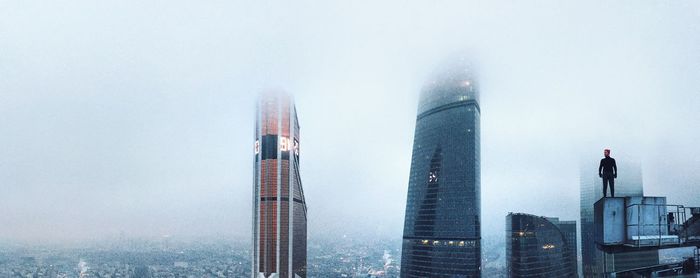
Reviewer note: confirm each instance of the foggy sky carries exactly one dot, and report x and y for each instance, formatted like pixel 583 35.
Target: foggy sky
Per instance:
pixel 136 118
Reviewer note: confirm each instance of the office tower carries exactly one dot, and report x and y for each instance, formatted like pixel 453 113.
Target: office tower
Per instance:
pixel 570 231
pixel 279 207
pixel 442 231
pixel 537 246
pixel 628 183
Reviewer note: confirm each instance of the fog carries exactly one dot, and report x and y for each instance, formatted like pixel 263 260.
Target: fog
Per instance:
pixel 136 118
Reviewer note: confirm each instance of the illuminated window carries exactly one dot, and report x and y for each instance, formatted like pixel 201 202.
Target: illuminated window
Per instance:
pixel 296 147
pixel 284 144
pixel 432 176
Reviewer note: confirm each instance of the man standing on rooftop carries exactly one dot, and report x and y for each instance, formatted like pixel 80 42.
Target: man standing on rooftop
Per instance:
pixel 608 171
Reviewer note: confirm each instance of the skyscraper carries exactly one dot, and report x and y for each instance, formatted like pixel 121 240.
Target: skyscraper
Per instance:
pixel 628 183
pixel 539 247
pixel 442 229
pixel 279 207
pixel 570 231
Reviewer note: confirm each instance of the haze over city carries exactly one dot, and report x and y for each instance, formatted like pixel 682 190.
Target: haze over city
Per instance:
pixel 137 119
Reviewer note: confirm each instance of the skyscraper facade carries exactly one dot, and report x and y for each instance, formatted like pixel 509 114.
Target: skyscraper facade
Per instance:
pixel 570 231
pixel 537 246
pixel 442 229
pixel 279 207
pixel 628 183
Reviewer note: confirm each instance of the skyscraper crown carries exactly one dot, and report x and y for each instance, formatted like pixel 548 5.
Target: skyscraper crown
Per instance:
pixel 454 81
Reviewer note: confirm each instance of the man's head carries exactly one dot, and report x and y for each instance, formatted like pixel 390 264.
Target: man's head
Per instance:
pixel 606 152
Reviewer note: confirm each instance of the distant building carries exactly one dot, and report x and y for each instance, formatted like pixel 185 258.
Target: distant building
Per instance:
pixel 570 231
pixel 142 271
pixel 442 228
pixel 537 246
pixel 628 183
pixel 279 206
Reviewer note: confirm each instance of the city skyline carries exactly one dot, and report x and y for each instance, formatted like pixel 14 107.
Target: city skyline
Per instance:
pixel 162 138
pixel 119 122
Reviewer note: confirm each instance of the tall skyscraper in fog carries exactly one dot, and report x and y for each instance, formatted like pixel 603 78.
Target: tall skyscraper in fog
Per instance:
pixel 537 246
pixel 279 207
pixel 628 183
pixel 442 229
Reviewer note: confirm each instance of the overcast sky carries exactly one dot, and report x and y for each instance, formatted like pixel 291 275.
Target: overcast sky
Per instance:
pixel 137 117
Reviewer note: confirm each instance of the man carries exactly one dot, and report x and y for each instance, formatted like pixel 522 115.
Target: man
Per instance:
pixel 608 171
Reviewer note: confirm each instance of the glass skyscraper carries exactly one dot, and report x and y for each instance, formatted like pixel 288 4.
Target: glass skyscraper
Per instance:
pixel 537 246
pixel 629 183
pixel 570 231
pixel 279 207
pixel 442 229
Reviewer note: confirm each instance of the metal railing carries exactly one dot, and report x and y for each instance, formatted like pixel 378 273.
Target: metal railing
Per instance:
pixel 655 225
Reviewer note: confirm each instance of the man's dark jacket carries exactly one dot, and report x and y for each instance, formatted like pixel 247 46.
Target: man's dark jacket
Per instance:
pixel 607 167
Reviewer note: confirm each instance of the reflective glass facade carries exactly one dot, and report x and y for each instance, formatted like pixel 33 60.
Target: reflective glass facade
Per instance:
pixel 570 231
pixel 442 230
pixel 629 183
pixel 537 247
pixel 279 207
